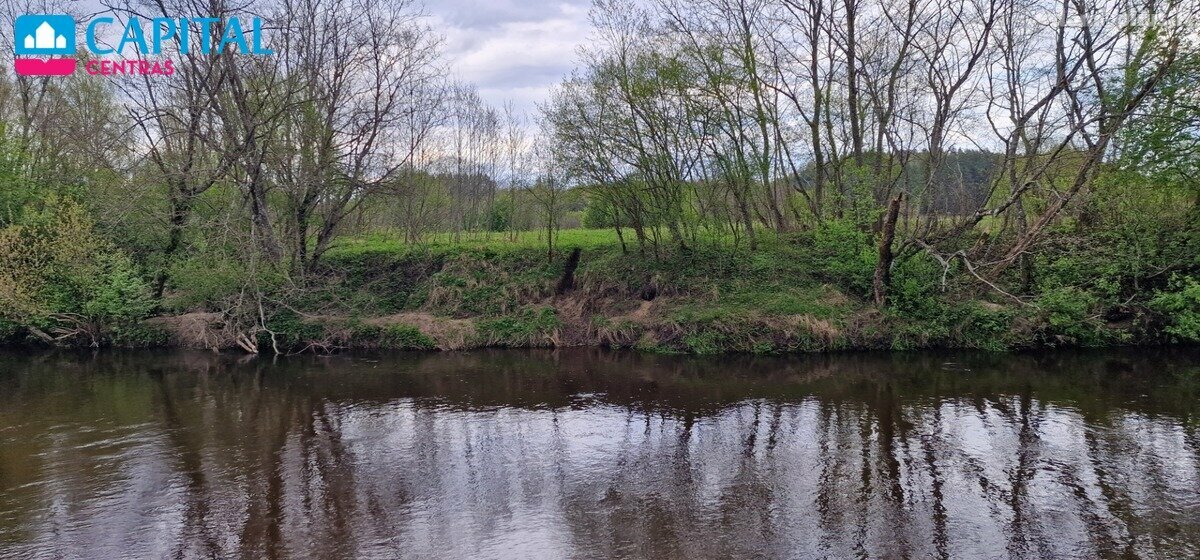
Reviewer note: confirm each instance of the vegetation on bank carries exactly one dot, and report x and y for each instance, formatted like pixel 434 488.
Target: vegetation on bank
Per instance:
pixel 801 291
pixel 797 186
pixel 797 292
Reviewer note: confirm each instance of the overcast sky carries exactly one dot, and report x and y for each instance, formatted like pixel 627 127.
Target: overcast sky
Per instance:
pixel 511 49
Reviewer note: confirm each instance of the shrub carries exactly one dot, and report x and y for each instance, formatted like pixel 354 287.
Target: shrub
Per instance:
pixel 1067 317
pixel 43 259
pixel 919 315
pixel 985 328
pixel 204 279
pixel 57 275
pixel 1181 304
pixel 842 254
pixel 291 331
pixel 119 299
pixel 118 295
pixel 139 335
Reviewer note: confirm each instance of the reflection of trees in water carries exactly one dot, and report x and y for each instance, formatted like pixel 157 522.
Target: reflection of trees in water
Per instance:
pixel 593 454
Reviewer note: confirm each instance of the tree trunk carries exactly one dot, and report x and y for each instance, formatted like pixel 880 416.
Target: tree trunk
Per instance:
pixel 747 220
pixel 883 268
pixel 617 226
pixel 856 136
pixel 181 206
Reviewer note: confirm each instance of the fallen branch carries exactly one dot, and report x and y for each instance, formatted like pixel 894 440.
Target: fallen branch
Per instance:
pixel 262 319
pixel 42 335
pixel 961 255
pixel 246 343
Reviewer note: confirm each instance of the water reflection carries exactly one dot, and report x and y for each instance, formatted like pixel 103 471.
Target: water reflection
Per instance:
pixel 591 454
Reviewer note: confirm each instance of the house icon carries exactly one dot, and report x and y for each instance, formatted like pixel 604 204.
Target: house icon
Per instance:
pixel 44 34
pixel 44 45
pixel 45 38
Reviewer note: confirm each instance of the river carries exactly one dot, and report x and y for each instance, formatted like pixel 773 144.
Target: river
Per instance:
pixel 586 453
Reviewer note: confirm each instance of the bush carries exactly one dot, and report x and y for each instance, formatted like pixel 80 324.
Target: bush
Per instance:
pixel 291 331
pixel 842 254
pixel 1067 317
pixel 919 315
pixel 119 299
pixel 985 328
pixel 118 295
pixel 43 259
pixel 1181 305
pixel 135 335
pixel 57 275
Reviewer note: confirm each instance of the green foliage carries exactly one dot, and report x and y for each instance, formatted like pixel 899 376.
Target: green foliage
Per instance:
pixel 707 341
pixel 741 335
pixel 15 190
pixel 1122 241
pixel 405 337
pixel 381 279
pixel 1163 141
pixel 486 283
pixel 501 215
pixel 1068 317
pixel 119 298
pixel 858 198
pixel 292 332
pixel 42 259
pixel 531 326
pixel 915 290
pixel 204 279
pixel 118 293
pixel 1181 304
pixel 56 273
pixel 986 328
pixel 921 316
pixel 599 213
pixel 840 253
pixel 138 335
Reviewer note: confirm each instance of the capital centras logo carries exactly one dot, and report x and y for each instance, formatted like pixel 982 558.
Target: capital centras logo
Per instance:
pixel 45 44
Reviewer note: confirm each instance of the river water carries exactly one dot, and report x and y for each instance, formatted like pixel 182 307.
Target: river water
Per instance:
pixel 595 454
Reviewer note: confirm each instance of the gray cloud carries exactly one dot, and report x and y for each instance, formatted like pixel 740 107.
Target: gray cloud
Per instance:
pixel 511 49
pixel 481 14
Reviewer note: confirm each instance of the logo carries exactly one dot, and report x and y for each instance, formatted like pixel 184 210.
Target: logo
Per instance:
pixel 45 45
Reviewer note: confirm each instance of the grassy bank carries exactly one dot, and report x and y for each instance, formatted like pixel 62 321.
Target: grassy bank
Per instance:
pixel 799 292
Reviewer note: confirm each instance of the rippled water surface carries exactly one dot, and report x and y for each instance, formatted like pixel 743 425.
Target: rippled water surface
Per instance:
pixel 591 454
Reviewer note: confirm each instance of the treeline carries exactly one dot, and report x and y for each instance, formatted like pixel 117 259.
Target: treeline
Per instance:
pixel 746 116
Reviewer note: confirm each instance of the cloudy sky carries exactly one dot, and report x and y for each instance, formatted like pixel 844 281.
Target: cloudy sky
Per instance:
pixel 511 49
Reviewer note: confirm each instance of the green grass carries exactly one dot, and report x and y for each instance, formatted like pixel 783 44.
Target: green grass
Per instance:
pixel 525 241
pixel 531 326
pixel 742 299
pixel 486 274
pixel 491 242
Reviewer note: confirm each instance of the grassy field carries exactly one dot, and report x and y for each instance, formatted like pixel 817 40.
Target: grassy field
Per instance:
pixel 566 239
